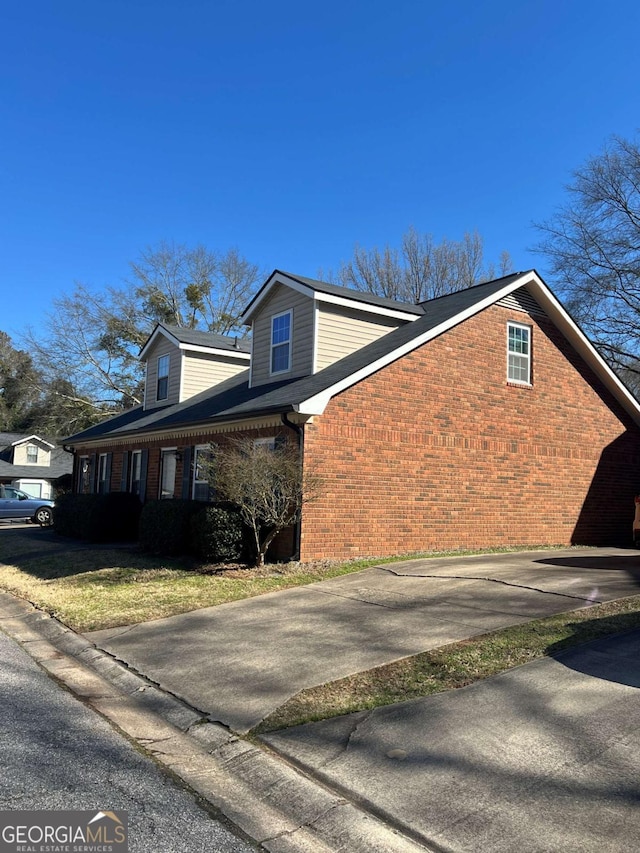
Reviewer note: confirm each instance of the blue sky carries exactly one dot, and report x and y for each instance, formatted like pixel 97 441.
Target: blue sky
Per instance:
pixel 292 130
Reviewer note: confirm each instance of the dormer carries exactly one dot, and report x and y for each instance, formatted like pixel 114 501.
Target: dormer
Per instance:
pixel 300 325
pixel 181 363
pixel 31 450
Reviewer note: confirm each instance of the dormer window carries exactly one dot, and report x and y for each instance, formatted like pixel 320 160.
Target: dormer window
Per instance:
pixel 281 342
pixel 162 391
pixel 32 454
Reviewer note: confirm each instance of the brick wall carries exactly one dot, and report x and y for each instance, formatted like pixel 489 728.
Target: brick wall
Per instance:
pixel 438 451
pixel 283 547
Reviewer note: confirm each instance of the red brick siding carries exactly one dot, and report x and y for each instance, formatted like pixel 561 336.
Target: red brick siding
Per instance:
pixel 438 451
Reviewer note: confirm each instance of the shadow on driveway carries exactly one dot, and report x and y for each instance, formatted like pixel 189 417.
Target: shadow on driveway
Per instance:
pixel 629 563
pixel 615 658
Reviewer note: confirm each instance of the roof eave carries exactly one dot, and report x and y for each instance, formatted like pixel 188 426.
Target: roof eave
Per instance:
pixel 279 277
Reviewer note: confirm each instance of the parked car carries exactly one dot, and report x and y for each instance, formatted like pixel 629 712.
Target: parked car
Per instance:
pixel 15 503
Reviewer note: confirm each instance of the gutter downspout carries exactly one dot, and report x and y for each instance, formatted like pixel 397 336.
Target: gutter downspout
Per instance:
pixel 300 433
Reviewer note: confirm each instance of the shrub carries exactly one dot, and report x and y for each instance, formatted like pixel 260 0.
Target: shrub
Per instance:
pixel 98 518
pixel 164 526
pixel 217 534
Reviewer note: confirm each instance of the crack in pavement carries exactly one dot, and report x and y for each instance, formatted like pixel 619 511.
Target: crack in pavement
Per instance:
pixel 589 598
pixel 349 737
pixel 357 598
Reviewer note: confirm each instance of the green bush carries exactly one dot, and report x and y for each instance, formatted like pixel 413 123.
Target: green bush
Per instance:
pixel 69 514
pixel 98 518
pixel 217 534
pixel 164 526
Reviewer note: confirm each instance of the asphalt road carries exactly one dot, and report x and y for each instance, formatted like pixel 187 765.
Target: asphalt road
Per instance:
pixel 55 753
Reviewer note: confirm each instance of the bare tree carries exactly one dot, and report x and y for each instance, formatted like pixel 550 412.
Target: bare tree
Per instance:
pixel 93 337
pixel 267 484
pixel 421 269
pixel 192 287
pixel 592 244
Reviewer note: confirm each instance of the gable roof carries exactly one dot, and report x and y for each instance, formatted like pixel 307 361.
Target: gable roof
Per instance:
pixel 321 291
pixel 233 400
pixel 61 462
pixel 32 438
pixel 196 340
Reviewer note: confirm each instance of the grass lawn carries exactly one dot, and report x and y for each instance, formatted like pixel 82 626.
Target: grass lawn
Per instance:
pixel 88 587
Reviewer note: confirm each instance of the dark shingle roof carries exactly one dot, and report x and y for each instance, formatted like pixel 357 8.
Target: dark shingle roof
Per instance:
pixel 196 337
pixel 233 399
pixel 355 295
pixel 61 462
pixel 344 292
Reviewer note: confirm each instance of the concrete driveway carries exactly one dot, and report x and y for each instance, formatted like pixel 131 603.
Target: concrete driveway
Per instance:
pixel 238 662
pixel 540 759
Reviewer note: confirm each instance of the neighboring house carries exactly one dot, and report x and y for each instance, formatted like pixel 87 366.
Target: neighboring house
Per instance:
pixel 32 464
pixel 481 418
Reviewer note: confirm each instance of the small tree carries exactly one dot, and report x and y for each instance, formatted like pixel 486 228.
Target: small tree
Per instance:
pixel 267 484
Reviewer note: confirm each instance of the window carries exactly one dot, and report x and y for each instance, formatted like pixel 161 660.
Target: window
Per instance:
pixel 162 391
pixel 84 479
pixel 518 353
pixel 32 454
pixel 168 473
pixel 201 488
pixel 267 443
pixel 136 472
pixel 103 485
pixel 281 343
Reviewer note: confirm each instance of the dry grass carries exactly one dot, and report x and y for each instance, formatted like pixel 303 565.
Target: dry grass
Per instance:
pixel 90 587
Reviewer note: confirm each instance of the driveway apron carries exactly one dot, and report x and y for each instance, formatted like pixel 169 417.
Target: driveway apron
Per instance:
pixel 540 759
pixel 238 662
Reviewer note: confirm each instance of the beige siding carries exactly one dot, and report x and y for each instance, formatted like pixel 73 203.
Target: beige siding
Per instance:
pixel 283 299
pixel 20 455
pixel 203 370
pixel 162 347
pixel 341 331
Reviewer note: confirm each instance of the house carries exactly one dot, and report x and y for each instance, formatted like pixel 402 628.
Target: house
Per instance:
pixel 481 418
pixel 33 464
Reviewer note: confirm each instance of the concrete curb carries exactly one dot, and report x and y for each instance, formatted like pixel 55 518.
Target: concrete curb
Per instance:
pixel 271 801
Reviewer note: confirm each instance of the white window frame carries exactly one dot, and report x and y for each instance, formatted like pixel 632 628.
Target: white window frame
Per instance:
pixel 163 376
pixel 277 345
pixel 517 360
pixel 84 470
pixel 32 461
pixel 199 481
pixel 167 453
pixel 135 463
pixel 102 487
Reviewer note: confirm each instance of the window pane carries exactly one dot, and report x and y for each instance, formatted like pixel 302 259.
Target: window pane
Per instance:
pixel 167 485
pixel 280 358
pixel 518 362
pixel 136 467
pixel 281 327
